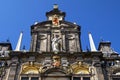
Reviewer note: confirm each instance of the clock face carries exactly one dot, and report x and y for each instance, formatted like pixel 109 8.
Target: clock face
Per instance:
pixel 55 20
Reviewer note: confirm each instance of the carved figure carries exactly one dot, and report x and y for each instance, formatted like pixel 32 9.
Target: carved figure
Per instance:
pixel 56 43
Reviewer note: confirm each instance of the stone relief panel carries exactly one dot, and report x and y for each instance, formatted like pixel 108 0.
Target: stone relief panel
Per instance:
pixel 71 42
pixel 42 43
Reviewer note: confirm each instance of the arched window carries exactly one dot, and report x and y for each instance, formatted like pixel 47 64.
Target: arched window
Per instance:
pixel 80 71
pixel 30 71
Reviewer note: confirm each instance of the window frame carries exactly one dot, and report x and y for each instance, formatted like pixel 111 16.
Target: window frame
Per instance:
pixel 29 76
pixel 81 76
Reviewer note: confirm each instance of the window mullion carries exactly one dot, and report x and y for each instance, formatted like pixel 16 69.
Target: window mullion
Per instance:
pixel 29 78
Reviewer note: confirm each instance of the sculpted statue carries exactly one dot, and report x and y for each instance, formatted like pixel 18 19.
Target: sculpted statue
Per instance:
pixel 56 43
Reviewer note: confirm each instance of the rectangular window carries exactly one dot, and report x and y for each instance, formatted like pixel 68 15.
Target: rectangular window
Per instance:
pixel 76 78
pixel 116 78
pixel 86 78
pixel 24 78
pixel 34 78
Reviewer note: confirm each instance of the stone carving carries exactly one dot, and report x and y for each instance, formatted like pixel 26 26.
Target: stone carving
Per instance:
pixel 56 43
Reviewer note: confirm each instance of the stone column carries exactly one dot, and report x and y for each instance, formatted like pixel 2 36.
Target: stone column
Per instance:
pixel 63 42
pixel 98 68
pixel 77 42
pixel 48 42
pixel 13 69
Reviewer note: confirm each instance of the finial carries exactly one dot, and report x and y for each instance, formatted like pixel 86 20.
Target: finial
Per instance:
pixel 87 49
pixel 74 23
pixel 55 6
pixel 24 47
pixel 35 23
pixel 8 40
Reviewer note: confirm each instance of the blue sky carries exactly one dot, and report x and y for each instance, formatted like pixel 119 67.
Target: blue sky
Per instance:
pixel 100 17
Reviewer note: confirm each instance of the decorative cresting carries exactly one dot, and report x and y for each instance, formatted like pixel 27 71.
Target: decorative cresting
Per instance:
pixel 80 68
pixel 31 68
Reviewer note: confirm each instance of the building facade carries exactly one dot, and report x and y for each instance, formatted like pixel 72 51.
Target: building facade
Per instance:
pixel 56 54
